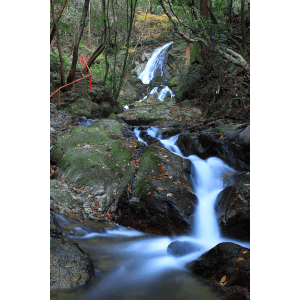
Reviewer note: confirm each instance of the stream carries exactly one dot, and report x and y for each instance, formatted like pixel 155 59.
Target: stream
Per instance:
pixel 133 265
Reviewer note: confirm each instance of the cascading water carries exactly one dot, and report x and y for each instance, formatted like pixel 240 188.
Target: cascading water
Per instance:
pixel 155 64
pixel 154 67
pixel 207 184
pixel 133 265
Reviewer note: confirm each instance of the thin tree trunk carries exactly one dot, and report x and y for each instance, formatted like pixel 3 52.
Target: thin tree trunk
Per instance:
pixel 204 48
pixel 62 75
pixel 229 11
pixel 57 19
pixel 187 55
pixel 132 14
pixel 77 41
pixel 90 25
pixel 244 44
pixel 102 46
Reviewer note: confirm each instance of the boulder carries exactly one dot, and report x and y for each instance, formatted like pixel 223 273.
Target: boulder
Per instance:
pixel 226 267
pixel 70 266
pixel 166 203
pixel 94 167
pixel 208 143
pixel 233 209
pixel 178 248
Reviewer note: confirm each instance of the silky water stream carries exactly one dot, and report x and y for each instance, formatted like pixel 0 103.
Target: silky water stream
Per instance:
pixel 131 265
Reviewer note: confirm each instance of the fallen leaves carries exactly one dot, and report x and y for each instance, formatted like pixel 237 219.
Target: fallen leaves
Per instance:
pixel 240 258
pixel 222 281
pixel 78 277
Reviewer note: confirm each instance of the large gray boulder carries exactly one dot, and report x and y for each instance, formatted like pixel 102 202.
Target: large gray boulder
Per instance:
pixel 233 209
pixel 70 266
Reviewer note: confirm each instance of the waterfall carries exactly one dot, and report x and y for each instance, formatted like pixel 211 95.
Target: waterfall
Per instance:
pixel 155 64
pixel 154 67
pixel 207 184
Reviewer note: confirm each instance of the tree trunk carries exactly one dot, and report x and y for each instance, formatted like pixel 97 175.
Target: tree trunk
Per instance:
pixel 62 75
pixel 204 48
pixel 77 41
pixel 187 55
pixel 229 11
pixel 132 14
pixel 57 19
pixel 102 46
pixel 244 44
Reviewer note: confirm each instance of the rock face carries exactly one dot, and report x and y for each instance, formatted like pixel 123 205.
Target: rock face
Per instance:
pixel 105 173
pixel 211 142
pixel 227 267
pixel 94 166
pixel 233 209
pixel 165 203
pixel 70 267
pixel 178 248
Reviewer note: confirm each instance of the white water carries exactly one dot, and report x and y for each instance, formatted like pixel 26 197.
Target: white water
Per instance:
pixel 143 264
pixel 155 64
pixel 207 184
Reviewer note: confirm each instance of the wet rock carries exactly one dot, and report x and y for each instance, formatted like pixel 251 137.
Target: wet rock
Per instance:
pixel 147 138
pixel 233 209
pixel 178 248
pixel 166 204
pixel 227 268
pixel 208 144
pixel 70 266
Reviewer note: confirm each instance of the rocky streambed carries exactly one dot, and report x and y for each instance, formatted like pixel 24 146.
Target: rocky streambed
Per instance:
pixel 105 174
pixel 148 197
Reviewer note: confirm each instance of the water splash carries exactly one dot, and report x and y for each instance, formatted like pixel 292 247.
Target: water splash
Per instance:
pixel 163 93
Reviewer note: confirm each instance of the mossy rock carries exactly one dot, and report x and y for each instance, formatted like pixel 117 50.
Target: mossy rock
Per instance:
pixel 106 109
pixel 97 133
pixel 148 167
pixel 173 82
pixel 113 116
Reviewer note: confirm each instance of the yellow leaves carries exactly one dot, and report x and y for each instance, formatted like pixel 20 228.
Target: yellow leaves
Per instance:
pixel 240 258
pixel 222 281
pixel 244 251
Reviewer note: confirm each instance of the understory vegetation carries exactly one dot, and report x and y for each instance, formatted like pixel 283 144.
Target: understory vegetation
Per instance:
pixel 212 38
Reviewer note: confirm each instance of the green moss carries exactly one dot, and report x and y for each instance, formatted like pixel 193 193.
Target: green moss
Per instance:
pixel 223 128
pixel 84 170
pixel 112 116
pixel 148 168
pixel 196 52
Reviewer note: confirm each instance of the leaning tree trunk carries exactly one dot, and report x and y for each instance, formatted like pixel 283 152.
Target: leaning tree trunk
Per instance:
pixel 62 75
pixel 77 41
pixel 57 19
pixel 102 46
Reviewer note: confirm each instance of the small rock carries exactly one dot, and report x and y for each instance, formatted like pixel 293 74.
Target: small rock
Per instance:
pixel 182 248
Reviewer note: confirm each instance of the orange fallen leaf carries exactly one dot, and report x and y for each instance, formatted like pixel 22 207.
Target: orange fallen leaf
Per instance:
pixel 78 277
pixel 160 188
